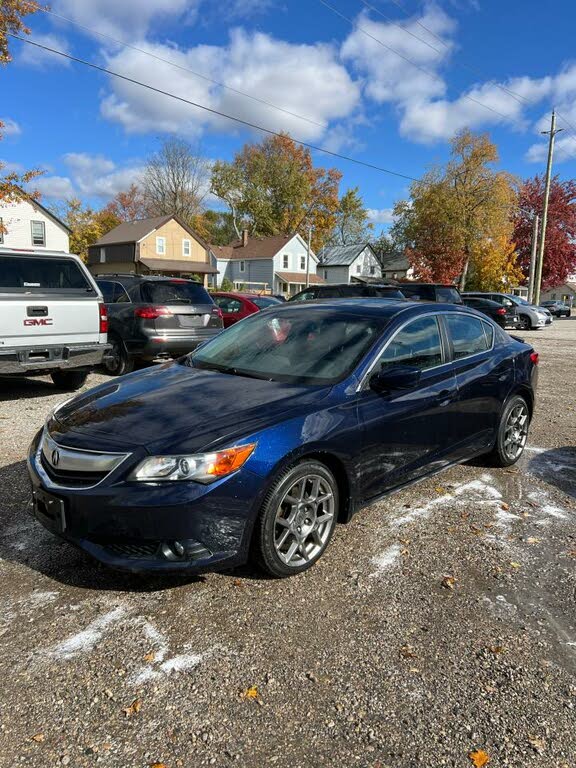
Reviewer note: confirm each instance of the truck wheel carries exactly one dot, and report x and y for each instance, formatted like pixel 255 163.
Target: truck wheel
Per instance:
pixel 69 380
pixel 117 361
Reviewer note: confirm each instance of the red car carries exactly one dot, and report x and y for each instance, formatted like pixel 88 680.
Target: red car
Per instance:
pixel 236 306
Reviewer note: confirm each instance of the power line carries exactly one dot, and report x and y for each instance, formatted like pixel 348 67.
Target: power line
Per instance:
pixel 179 66
pixel 399 26
pixel 208 109
pixel 433 75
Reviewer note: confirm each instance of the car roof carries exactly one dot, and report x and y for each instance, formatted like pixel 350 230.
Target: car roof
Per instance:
pixel 373 307
pixel 244 295
pixel 141 278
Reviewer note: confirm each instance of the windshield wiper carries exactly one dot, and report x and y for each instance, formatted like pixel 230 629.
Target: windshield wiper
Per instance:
pixel 229 369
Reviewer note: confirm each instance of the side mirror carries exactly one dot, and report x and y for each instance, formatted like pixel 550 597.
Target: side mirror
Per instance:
pixel 392 379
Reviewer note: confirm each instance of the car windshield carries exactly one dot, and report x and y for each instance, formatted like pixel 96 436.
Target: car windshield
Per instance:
pixel 264 301
pixel 319 347
pixel 520 300
pixel 175 292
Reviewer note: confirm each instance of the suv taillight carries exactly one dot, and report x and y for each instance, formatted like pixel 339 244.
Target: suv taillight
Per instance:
pixel 501 311
pixel 103 318
pixel 534 357
pixel 217 311
pixel 151 313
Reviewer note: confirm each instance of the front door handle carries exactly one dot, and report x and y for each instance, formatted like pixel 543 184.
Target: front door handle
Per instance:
pixel 444 397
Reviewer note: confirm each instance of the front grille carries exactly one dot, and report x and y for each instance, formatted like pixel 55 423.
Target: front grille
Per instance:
pixel 71 479
pixel 134 551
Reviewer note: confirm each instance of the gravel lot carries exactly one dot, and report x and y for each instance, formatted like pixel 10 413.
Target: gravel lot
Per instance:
pixel 439 626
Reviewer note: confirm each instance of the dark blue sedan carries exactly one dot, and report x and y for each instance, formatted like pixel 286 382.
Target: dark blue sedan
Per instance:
pixel 266 436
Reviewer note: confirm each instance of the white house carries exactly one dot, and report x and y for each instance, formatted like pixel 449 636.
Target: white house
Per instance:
pixel 341 263
pixel 276 264
pixel 27 224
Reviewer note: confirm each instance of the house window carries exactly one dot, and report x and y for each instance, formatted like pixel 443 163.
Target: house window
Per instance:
pixel 102 255
pixel 161 246
pixel 553 296
pixel 242 266
pixel 302 262
pixel 186 247
pixel 372 270
pixel 38 233
pixel 285 261
pixel 325 274
pixel 358 268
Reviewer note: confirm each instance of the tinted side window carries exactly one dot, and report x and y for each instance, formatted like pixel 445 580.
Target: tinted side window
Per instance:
pixel 107 289
pixel 120 295
pixel 32 274
pixel 489 331
pixel 306 296
pixel 467 334
pixel 418 292
pixel 418 345
pixel 228 305
pixel 445 293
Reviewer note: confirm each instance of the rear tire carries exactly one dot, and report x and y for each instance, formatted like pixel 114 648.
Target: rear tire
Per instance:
pixel 297 519
pixel 512 433
pixel 117 362
pixel 69 380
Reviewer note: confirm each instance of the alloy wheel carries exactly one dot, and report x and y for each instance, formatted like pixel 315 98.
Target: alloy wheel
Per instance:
pixel 113 358
pixel 516 431
pixel 304 520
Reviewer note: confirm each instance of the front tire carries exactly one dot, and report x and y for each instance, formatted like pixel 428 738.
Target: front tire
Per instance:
pixel 524 324
pixel 69 381
pixel 297 519
pixel 512 433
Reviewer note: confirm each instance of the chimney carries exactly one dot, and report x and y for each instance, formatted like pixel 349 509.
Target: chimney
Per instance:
pixel 244 238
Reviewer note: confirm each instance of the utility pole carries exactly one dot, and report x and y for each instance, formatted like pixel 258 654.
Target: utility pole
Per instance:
pixel 540 260
pixel 308 257
pixel 533 258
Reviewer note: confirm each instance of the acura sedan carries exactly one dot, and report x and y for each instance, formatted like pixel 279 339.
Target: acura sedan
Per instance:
pixel 260 441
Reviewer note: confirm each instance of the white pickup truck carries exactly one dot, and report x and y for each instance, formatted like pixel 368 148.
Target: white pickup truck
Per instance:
pixel 52 317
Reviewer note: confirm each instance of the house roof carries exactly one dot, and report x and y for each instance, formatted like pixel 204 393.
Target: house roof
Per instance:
pixel 299 277
pixel 256 248
pixel 132 231
pixel 341 255
pixel 47 211
pixel 394 262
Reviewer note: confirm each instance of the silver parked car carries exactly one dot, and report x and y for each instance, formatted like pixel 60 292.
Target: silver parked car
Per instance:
pixel 530 317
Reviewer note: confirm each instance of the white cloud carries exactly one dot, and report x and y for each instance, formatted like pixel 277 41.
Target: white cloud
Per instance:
pixel 306 80
pixel 37 57
pixel 56 187
pixel 126 19
pixel 381 215
pixel 10 127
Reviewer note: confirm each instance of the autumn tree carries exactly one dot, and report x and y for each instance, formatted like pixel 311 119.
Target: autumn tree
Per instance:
pixel 458 217
pixel 560 243
pixel 218 227
pixel 85 223
pixel 273 188
pixel 175 181
pixel 128 205
pixel 12 13
pixel 352 224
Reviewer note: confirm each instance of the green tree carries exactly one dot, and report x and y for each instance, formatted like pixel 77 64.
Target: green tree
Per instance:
pixel 85 224
pixel 352 225
pixel 273 188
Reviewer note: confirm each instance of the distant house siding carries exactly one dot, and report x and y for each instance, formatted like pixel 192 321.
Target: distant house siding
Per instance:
pixel 17 218
pixel 565 292
pixel 296 250
pixel 334 274
pixel 173 235
pixel 257 275
pixel 111 258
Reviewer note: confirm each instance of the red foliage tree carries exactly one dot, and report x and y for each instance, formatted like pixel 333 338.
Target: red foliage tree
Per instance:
pixel 560 243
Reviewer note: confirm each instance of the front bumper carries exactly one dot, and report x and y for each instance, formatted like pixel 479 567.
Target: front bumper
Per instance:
pixel 150 526
pixel 26 360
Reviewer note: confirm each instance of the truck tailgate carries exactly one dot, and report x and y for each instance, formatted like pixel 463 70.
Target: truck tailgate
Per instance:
pixel 39 321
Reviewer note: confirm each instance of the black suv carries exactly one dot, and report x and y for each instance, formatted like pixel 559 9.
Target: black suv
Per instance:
pixel 431 292
pixel 155 317
pixel 348 291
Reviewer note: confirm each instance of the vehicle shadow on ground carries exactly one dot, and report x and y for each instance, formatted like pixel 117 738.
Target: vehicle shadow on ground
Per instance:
pixel 556 466
pixel 19 388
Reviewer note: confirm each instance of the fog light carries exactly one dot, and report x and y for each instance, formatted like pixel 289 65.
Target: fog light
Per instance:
pixel 172 550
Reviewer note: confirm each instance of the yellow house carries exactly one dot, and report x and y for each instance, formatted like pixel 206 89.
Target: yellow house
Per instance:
pixel 163 245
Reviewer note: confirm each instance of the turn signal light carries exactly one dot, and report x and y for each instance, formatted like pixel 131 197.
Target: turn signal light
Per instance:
pixel 103 318
pixel 534 356
pixel 225 462
pixel 151 313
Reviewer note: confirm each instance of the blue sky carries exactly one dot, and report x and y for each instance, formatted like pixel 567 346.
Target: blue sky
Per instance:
pixel 389 88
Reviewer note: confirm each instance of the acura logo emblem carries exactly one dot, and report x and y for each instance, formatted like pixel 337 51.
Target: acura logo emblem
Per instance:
pixel 55 457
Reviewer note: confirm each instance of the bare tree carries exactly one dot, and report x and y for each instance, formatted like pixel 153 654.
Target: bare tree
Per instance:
pixel 176 181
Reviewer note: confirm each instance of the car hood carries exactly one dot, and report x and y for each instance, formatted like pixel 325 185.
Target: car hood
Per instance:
pixel 178 406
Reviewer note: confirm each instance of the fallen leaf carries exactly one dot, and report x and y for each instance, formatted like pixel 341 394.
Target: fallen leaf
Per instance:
pixel 537 743
pixel 250 693
pixel 515 565
pixel 404 552
pixel 572 553
pixel 439 489
pixel 38 737
pixel 532 540
pixel 449 582
pixel 504 506
pixel 151 656
pixel 479 758
pixel 496 649
pixel 475 529
pixel 464 515
pixel 237 583
pixel 133 709
pixel 158 765
pixel 408 652
pixel 414 671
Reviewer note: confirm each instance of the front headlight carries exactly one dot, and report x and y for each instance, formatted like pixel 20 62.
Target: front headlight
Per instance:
pixel 202 467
